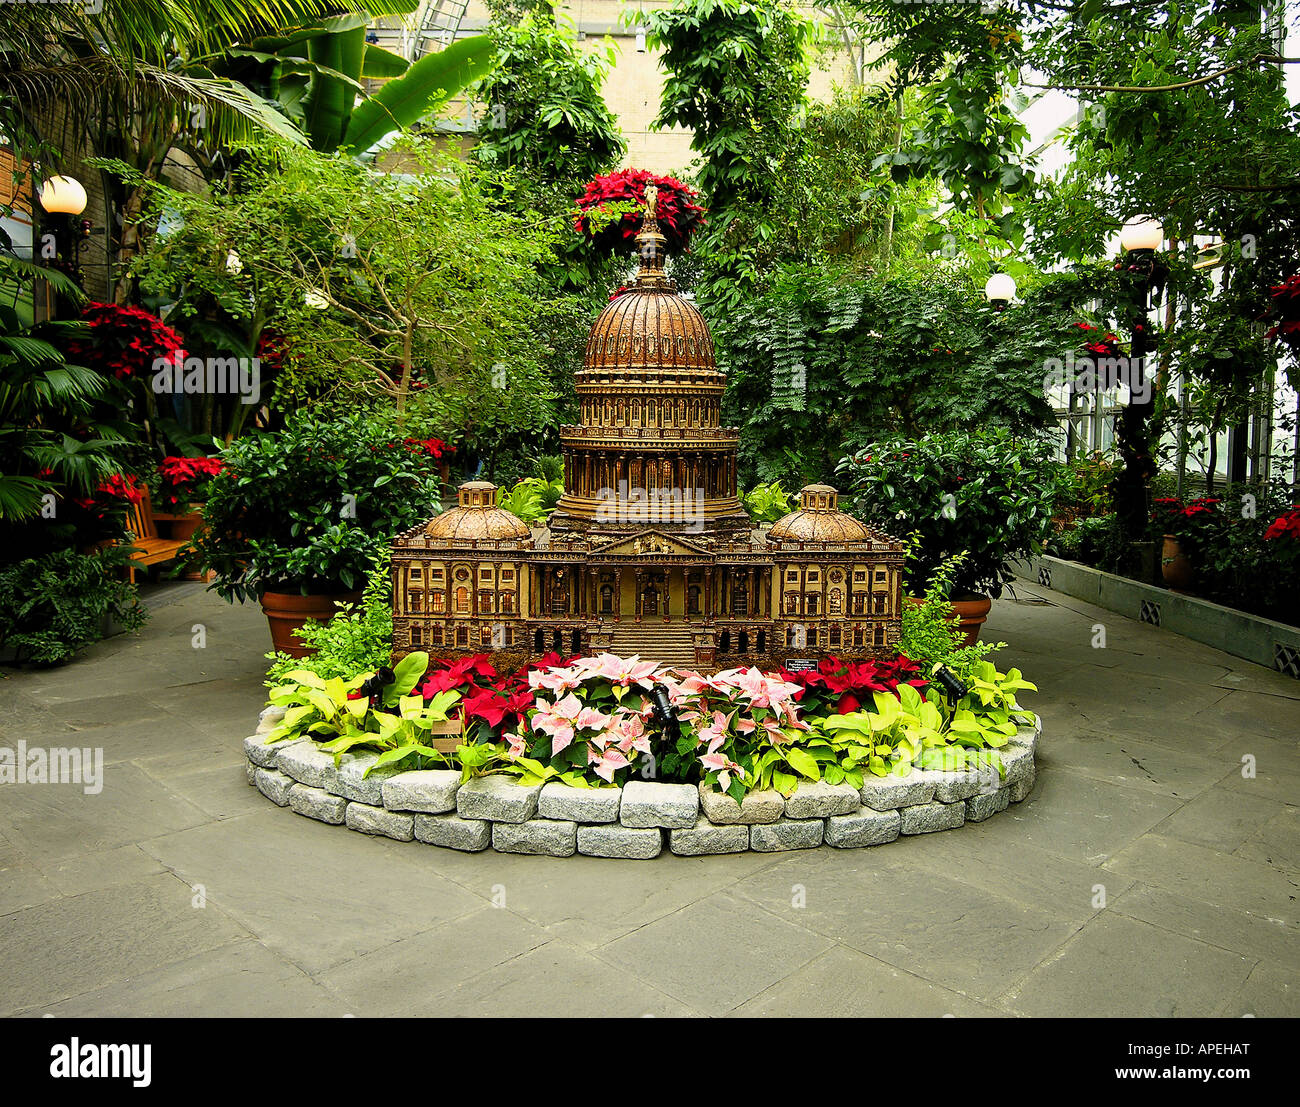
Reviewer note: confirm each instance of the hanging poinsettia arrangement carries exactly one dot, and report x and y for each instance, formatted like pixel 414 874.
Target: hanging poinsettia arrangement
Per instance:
pixel 613 207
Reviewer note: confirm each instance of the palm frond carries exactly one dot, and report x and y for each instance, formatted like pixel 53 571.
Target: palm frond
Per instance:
pixel 20 497
pixel 20 270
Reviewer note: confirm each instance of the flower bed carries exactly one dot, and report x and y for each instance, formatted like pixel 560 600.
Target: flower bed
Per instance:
pixel 603 755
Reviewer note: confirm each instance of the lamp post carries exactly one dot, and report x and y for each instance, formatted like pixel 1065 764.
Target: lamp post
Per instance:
pixel 64 199
pixel 1140 238
pixel 1000 290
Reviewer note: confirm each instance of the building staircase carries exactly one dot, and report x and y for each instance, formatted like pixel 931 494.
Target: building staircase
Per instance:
pixel 654 640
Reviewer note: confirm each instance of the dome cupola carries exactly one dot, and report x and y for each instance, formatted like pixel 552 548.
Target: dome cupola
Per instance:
pixel 476 517
pixel 819 519
pixel 650 449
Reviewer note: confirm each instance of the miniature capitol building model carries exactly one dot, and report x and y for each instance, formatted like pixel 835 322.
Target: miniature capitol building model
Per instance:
pixel 649 551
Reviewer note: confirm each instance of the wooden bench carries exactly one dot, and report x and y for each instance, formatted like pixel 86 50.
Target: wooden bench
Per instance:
pixel 147 547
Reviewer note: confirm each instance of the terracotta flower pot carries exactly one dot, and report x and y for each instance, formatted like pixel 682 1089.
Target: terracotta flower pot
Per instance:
pixel 286 612
pixel 1175 566
pixel 185 526
pixel 969 614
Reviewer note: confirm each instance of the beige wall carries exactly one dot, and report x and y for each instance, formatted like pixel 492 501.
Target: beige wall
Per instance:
pixel 632 89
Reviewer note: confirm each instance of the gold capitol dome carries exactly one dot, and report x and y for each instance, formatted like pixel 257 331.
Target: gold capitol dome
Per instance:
pixel 649 550
pixel 650 447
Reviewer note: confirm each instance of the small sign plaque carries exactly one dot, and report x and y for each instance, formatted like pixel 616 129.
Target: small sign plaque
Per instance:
pixel 800 664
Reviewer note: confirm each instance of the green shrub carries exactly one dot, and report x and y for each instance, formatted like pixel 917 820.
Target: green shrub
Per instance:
pixel 989 493
pixel 930 634
pixel 52 607
pixel 356 640
pixel 310 507
pixel 532 498
pixel 767 502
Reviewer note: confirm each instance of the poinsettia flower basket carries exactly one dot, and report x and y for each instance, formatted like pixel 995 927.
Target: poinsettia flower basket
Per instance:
pixel 612 210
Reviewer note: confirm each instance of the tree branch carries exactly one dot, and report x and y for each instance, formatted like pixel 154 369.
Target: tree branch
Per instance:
pixel 1272 59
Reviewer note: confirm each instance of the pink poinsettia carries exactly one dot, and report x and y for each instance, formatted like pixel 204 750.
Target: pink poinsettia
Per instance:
pixel 715 760
pixel 565 718
pixel 624 671
pixel 558 680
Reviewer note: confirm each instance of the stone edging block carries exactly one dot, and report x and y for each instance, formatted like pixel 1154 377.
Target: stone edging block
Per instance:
pixel 636 821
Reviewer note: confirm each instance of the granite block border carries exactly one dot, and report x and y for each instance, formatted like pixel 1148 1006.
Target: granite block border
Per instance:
pixel 432 807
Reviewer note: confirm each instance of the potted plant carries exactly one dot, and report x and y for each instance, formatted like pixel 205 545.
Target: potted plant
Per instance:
pixel 183 484
pixel 295 518
pixel 989 493
pixel 1185 531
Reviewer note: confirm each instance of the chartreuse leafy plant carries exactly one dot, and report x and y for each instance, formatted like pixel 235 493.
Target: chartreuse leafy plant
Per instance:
pixel 340 718
pixel 915 731
pixel 767 502
pixel 931 635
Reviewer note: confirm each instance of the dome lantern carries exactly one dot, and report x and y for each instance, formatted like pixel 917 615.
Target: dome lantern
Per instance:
pixel 476 517
pixel 819 520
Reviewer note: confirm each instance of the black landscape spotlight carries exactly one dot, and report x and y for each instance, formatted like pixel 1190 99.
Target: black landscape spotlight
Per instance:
pixel 665 714
pixel 949 682
pixel 373 688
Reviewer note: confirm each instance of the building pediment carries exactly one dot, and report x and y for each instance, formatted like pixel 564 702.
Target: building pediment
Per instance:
pixel 650 544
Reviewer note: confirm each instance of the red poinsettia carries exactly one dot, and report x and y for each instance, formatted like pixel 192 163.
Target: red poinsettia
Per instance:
pixel 184 479
pixel 113 495
pixel 1286 525
pixel 844 686
pixel 1103 347
pixel 124 341
pixel 613 207
pixel 434 447
pixel 1286 309
pixel 497 705
pixel 456 674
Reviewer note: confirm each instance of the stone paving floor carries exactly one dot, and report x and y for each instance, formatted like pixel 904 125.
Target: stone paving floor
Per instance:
pixel 1146 875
